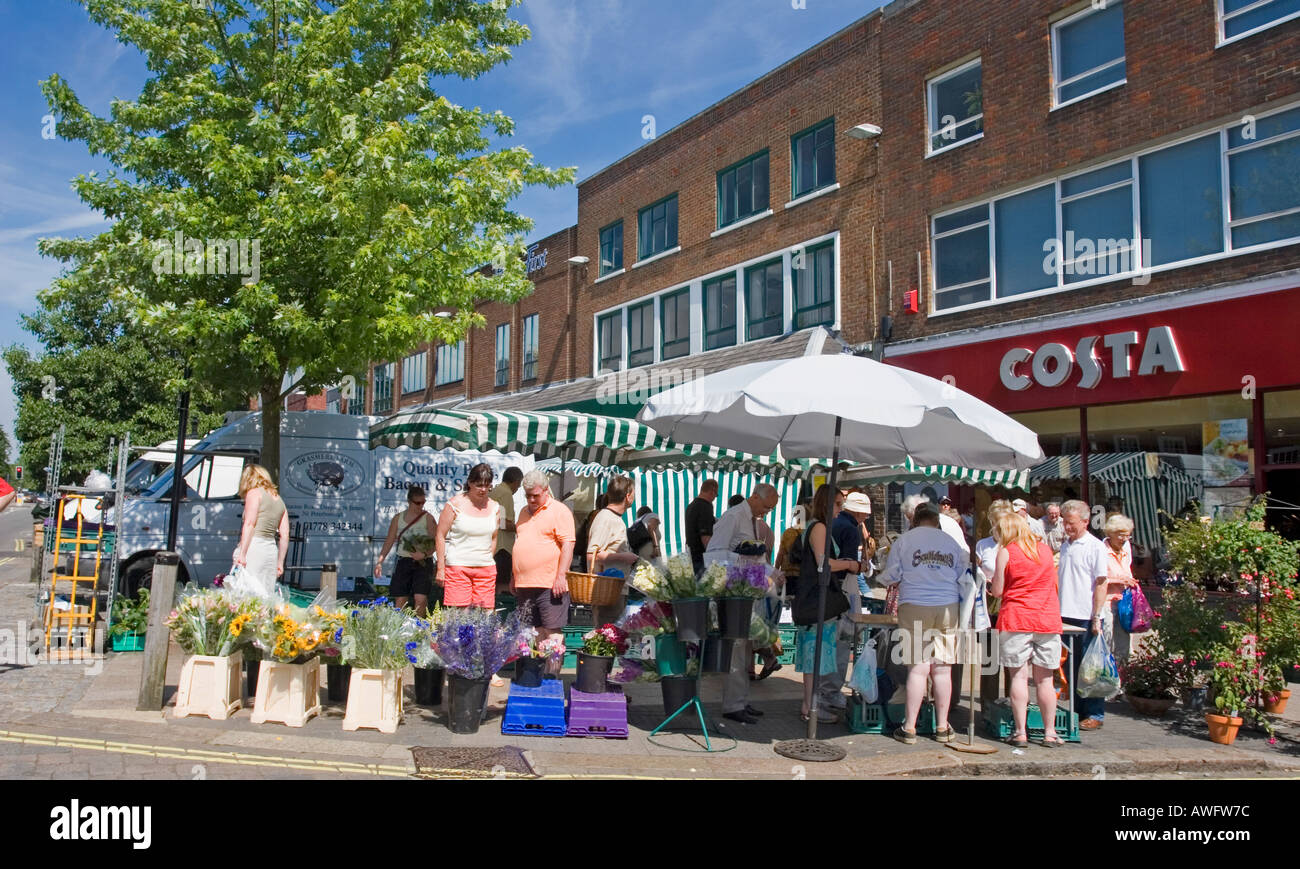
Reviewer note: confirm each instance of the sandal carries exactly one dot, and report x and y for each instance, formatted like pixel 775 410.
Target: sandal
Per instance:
pixel 1054 742
pixel 1018 740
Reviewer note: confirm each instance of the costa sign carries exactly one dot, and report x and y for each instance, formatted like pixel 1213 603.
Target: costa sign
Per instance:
pixel 1053 363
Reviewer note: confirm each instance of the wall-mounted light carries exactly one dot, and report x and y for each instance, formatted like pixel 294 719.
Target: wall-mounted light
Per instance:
pixel 863 131
pixel 579 260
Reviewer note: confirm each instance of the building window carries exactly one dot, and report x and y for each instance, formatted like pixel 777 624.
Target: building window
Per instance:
pixel 1240 18
pixel 415 372
pixel 611 248
pixel 742 190
pixel 812 159
pixel 384 388
pixel 720 312
pixel 955 102
pixel 1097 206
pixel 813 272
pixel 1088 53
pixel 641 334
pixel 1264 180
pixel 451 363
pixel 764 301
pixel 609 329
pixel 1182 200
pixel 961 258
pixel 657 227
pixel 675 320
pixel 529 371
pixel 503 355
pixel 1025 224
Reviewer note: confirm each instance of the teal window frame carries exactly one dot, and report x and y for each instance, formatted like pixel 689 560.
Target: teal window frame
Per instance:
pixel 711 336
pixel 645 247
pixel 680 345
pixel 609 361
pixel 796 187
pixel 806 315
pixel 731 201
pixel 769 324
pixel 611 247
pixel 640 348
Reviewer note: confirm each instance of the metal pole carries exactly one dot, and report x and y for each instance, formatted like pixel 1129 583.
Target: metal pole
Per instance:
pixel 823 580
pixel 178 469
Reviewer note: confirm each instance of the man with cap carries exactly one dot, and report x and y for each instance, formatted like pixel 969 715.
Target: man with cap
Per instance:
pixel 947 524
pixel 850 541
pixel 1035 525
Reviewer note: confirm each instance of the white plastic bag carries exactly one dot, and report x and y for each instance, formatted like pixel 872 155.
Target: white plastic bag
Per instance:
pixel 864 673
pixel 1098 674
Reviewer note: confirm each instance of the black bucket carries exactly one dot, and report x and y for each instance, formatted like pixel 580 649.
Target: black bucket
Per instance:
pixel 528 672
pixel 252 668
pixel 593 670
pixel 692 614
pixel 734 614
pixel 677 691
pixel 715 656
pixel 468 699
pixel 337 677
pixel 428 686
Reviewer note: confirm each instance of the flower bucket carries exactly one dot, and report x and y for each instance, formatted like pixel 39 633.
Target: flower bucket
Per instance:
pixel 468 699
pixel 252 669
pixel 287 693
pixel 715 656
pixel 1278 706
pixel 374 700
pixel 428 686
pixel 1194 698
pixel 593 670
pixel 210 685
pixel 528 672
pixel 1223 729
pixel 692 614
pixel 670 655
pixel 1152 707
pixel 677 691
pixel 337 678
pixel 734 614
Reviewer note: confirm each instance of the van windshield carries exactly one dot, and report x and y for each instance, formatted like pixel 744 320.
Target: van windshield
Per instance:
pixel 163 484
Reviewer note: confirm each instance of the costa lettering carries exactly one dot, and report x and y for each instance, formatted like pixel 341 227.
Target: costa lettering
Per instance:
pixel 1052 364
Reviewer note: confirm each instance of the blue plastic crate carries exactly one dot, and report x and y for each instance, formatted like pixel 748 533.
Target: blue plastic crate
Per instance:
pixel 535 711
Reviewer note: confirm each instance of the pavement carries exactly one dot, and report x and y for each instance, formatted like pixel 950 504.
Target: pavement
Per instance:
pixel 77 720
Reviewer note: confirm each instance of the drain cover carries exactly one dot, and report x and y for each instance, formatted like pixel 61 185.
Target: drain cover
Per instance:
pixel 810 750
pixel 505 762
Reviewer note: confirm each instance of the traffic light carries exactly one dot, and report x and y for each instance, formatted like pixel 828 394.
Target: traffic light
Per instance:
pixel 18 472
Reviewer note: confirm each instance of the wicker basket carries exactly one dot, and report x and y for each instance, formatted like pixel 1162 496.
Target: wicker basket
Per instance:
pixel 588 588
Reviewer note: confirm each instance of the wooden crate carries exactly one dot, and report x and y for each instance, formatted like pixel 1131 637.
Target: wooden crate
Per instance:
pixel 374 700
pixel 287 693
pixel 210 685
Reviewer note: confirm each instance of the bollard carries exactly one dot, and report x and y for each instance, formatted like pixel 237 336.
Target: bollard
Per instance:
pixel 329 581
pixel 162 592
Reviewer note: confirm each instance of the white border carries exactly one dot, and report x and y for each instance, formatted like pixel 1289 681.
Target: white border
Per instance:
pixel 650 259
pixel 820 191
pixel 753 218
pixel 931 122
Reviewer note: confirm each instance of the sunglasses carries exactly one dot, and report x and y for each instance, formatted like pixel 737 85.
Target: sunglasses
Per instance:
pixel 418 503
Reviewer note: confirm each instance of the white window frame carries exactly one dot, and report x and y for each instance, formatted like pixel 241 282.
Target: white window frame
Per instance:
pixel 415 372
pixel 1141 268
pixel 502 356
pixel 1221 18
pixel 933 127
pixel 1057 83
pixel 529 348
pixel 451 364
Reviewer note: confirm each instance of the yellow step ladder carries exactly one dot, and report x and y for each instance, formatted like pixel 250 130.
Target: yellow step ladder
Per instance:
pixel 65 624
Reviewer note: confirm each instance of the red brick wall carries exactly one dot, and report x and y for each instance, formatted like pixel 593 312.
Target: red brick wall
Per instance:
pixel 1178 82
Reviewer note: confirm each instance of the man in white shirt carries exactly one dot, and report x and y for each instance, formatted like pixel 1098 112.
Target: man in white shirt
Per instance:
pixel 1035 525
pixel 947 524
pixel 740 523
pixel 1082 582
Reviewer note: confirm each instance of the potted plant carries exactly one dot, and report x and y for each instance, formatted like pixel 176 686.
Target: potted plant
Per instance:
pixel 690 595
pixel 211 625
pixel 473 644
pixel 1236 681
pixel 1274 689
pixel 1149 679
pixel 377 641
pixel 130 618
pixel 654 619
pixel 599 648
pixel 288 683
pixel 537 658
pixel 746 583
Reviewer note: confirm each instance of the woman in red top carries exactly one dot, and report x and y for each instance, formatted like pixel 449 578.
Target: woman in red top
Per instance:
pixel 1029 619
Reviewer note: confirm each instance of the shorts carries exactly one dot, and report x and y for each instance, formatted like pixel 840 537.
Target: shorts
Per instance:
pixel 542 608
pixel 806 647
pixel 470 586
pixel 927 633
pixel 1017 647
pixel 412 577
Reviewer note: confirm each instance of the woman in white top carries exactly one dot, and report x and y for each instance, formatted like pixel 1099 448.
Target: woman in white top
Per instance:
pixel 259 555
pixel 466 542
pixel 411 530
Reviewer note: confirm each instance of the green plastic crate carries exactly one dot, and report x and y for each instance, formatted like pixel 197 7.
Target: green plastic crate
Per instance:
pixel 785 659
pixel 866 717
pixel 1000 724
pixel 128 643
pixel 573 636
pixel 926 724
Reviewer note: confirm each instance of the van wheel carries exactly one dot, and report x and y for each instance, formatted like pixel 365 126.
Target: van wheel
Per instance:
pixel 139 574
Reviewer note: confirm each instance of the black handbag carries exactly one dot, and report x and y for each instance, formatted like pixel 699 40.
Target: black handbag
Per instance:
pixel 804 612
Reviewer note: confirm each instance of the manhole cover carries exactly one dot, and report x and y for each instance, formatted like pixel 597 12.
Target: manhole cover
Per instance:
pixel 505 762
pixel 810 750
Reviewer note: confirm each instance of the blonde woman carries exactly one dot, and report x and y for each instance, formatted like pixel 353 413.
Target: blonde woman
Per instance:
pixel 261 560
pixel 1029 621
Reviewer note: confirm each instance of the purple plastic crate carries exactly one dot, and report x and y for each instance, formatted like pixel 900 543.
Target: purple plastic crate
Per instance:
pixel 603 715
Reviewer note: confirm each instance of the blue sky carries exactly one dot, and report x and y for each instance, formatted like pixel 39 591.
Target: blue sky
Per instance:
pixel 577 91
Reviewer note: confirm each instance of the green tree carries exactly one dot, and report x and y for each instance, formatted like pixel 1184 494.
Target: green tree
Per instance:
pixel 101 377
pixel 6 466
pixel 310 135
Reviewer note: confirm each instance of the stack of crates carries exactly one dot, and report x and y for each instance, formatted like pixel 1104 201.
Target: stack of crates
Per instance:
pixel 573 645
pixel 866 717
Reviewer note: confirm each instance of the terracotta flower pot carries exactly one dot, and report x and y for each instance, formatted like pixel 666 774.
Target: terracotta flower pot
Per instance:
pixel 1152 707
pixel 1278 706
pixel 1223 728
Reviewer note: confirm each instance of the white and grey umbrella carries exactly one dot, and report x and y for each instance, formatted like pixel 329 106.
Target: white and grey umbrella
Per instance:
pixel 850 408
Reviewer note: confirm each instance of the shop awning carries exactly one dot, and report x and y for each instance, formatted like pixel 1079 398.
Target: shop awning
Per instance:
pixel 578 469
pixel 911 472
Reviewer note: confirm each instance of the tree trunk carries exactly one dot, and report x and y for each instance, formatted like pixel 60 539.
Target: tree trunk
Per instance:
pixel 271 408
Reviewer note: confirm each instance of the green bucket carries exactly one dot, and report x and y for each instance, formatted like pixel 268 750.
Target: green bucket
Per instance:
pixel 670 655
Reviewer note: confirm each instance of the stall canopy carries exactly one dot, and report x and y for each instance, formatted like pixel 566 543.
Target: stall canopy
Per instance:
pixel 910 471
pixel 669 493
pixel 1147 483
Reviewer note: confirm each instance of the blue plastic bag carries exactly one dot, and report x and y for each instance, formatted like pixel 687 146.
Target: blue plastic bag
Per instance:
pixel 1124 610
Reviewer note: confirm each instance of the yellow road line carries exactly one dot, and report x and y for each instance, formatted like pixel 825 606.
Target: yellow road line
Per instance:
pixel 4 561
pixel 178 753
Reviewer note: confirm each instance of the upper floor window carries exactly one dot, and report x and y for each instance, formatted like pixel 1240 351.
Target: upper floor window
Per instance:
pixel 812 159
pixel 641 334
pixel 355 405
pixel 503 356
pixel 675 320
pixel 1241 18
pixel 742 189
pixel 657 227
pixel 1088 53
pixel 813 272
pixel 720 312
pixel 451 363
pixel 415 372
pixel 529 370
pixel 955 106
pixel 611 248
pixel 764 301
pixel 609 330
pixel 1264 169
pixel 384 388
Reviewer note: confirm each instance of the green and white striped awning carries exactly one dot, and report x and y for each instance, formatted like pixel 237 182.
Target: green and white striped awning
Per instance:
pixel 578 469
pixel 911 472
